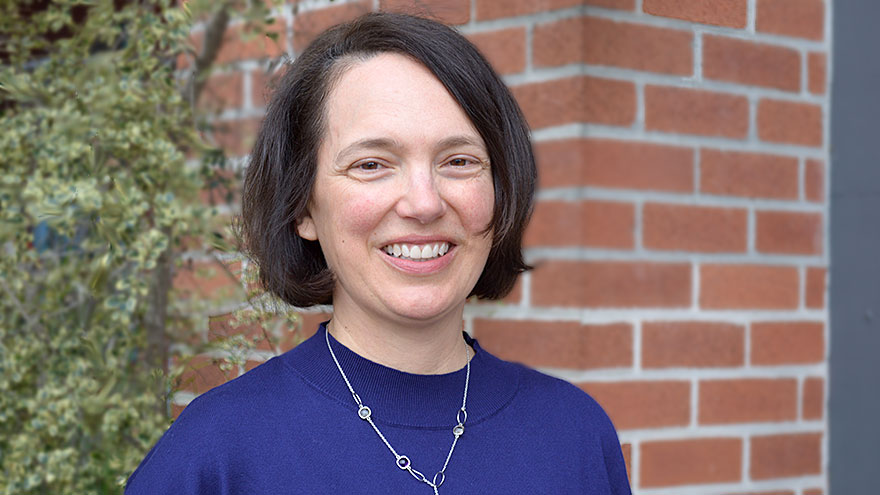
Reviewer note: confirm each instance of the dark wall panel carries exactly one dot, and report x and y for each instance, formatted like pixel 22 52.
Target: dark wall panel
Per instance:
pixel 855 249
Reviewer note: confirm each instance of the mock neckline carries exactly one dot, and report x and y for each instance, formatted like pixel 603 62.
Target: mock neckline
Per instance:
pixel 406 399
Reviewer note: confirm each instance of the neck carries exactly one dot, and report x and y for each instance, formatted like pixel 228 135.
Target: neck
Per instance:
pixel 424 348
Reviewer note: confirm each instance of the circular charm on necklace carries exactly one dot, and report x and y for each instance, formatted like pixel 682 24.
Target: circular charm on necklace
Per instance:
pixel 403 462
pixel 458 430
pixel 364 412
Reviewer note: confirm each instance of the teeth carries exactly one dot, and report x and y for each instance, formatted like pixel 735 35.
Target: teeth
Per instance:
pixel 415 252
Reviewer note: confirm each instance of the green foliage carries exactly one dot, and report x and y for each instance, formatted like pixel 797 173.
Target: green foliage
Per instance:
pixel 94 194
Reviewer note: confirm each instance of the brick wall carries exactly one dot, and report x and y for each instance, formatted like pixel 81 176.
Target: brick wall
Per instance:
pixel 680 235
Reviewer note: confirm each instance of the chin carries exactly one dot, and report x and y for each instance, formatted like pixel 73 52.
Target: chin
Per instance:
pixel 424 310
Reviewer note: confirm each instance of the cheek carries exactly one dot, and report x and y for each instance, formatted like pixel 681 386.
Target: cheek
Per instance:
pixel 477 206
pixel 357 215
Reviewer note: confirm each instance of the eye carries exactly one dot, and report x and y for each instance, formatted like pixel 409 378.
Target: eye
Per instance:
pixel 460 162
pixel 368 165
pixel 464 162
pixel 369 169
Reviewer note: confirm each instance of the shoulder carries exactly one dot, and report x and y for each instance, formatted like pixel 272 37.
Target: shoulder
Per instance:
pixel 213 432
pixel 563 397
pixel 533 387
pixel 559 404
pixel 238 398
pixel 572 421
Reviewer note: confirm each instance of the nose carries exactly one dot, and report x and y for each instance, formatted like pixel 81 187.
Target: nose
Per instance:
pixel 421 199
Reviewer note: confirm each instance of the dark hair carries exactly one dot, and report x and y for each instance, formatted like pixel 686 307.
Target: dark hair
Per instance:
pixel 279 179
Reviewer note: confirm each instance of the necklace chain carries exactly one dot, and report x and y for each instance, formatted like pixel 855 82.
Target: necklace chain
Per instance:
pixel 403 462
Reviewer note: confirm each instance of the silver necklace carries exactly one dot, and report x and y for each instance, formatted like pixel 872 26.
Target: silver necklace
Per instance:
pixel 401 460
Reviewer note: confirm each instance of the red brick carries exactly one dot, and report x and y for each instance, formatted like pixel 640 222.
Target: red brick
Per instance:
pixel 194 49
pixel 730 13
pixel 798 18
pixel 753 175
pixel 557 344
pixel 813 491
pixel 577 99
pixel 814 297
pixel 692 111
pixel 693 228
pixel 250 365
pixel 787 342
pixel 222 91
pixel 307 25
pixel 607 224
pixel 645 404
pixel 202 373
pixel 556 223
pixel 791 232
pixel 308 323
pixel 559 42
pixel 213 280
pixel 813 398
pixel 686 462
pixel 515 295
pixel 626 450
pixel 559 163
pixel 290 333
pixel 235 137
pixel 784 456
pixel 222 327
pixel 220 186
pixel 774 492
pixel 446 11
pixel 637 46
pixel 608 101
pixel 612 4
pixel 814 180
pixel 176 409
pixel 277 334
pixel 755 64
pixel 505 48
pixel 615 164
pixel 239 45
pixel 262 87
pixel 635 165
pixel 611 284
pixel 748 287
pixel 790 122
pixel 692 344
pixel 747 400
pixel 817 66
pixel 493 9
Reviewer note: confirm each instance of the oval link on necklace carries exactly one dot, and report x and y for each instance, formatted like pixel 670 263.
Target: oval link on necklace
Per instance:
pixel 402 461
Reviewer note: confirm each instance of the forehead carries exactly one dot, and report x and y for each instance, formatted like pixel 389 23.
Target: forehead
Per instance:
pixel 395 97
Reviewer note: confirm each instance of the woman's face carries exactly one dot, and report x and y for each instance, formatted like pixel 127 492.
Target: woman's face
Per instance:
pixel 403 194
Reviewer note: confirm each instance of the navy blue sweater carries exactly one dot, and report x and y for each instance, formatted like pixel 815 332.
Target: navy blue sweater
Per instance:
pixel 290 426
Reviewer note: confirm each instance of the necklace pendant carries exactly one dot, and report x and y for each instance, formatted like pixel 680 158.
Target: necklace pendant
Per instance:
pixel 364 412
pixel 458 430
pixel 403 462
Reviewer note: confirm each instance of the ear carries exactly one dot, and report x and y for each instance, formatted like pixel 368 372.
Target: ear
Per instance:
pixel 306 228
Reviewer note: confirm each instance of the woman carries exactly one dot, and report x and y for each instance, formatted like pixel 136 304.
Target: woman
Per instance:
pixel 392 177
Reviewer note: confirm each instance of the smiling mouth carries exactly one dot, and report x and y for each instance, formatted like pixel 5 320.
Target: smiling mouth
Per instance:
pixel 417 252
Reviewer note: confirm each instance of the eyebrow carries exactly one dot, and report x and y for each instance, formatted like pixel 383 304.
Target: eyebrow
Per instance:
pixel 368 143
pixel 393 144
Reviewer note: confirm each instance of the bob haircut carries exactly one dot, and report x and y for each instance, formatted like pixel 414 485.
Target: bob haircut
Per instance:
pixel 281 174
